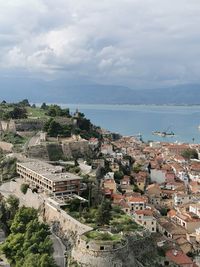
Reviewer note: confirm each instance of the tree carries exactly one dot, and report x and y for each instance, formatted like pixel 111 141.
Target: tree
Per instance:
pixel 164 211
pixel 75 205
pixel 118 175
pixel 29 244
pixel 8 210
pixel 54 129
pixel 37 260
pixel 44 106
pixel 24 188
pixel 13 203
pixel 190 154
pixel 24 103
pixel 55 110
pixel 18 113
pixel 22 218
pixel 104 213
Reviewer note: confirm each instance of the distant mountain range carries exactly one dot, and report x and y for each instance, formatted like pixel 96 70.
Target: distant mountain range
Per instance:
pixel 64 91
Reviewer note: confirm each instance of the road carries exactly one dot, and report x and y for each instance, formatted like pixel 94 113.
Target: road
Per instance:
pixel 59 251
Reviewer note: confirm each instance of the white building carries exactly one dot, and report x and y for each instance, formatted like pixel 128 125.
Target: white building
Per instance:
pixel 146 219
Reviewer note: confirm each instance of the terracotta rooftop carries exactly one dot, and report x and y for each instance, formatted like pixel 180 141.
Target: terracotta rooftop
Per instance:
pixel 178 257
pixel 144 212
pixel 136 199
pixel 171 213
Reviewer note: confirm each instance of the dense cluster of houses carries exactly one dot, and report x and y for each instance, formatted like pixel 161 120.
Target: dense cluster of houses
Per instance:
pixel 161 192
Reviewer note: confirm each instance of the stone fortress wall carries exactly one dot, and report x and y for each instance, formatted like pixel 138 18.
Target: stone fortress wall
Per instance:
pixel 86 253
pixel 101 253
pixel 7 126
pixel 70 227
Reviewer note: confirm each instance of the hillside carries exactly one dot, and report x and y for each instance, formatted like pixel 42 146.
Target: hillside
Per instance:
pixel 64 91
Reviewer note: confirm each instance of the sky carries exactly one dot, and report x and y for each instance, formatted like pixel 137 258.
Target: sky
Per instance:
pixel 135 43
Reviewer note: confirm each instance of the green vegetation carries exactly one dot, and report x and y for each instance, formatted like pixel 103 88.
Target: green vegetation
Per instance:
pixel 102 236
pixel 54 129
pixel 36 112
pixel 7 167
pixel 28 244
pixel 8 210
pixel 57 111
pixel 118 175
pixel 164 211
pixel 190 154
pixel 24 188
pixel 73 169
pixel 54 151
pixel 104 213
pixel 137 168
pixel 12 138
pixel 122 222
pixel 78 124
pixel 12 111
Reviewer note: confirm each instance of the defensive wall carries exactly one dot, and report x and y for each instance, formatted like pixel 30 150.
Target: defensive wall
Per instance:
pixel 100 253
pixel 84 252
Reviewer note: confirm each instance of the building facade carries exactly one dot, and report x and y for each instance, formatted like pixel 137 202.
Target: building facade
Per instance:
pixel 50 179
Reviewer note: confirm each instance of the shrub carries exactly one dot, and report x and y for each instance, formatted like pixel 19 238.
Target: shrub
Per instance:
pixel 24 188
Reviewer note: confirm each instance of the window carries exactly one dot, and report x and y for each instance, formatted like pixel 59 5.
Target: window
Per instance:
pixel 101 248
pixel 87 247
pixel 152 228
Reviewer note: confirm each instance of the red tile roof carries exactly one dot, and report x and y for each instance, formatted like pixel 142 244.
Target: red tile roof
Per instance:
pixel 144 212
pixel 178 257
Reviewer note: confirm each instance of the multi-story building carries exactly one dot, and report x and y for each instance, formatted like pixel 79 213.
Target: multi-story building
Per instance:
pixel 181 198
pixel 146 219
pixel 51 179
pixel 136 203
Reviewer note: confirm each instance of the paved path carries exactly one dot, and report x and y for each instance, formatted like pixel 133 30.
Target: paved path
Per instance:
pixel 59 251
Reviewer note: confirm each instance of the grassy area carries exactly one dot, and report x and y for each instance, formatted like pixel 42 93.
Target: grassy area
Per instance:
pixel 36 112
pixel 120 222
pixel 123 223
pixel 13 138
pixel 102 236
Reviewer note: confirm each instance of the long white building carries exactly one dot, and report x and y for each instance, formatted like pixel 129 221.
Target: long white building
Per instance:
pixel 51 179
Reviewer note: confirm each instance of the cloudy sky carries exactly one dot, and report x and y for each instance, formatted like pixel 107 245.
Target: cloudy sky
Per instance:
pixel 136 43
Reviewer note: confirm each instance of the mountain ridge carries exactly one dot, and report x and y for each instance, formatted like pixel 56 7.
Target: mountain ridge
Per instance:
pixel 75 92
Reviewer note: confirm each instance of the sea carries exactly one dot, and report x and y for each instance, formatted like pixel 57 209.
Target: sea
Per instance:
pixel 142 120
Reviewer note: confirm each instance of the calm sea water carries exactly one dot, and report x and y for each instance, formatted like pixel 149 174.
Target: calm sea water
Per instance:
pixel 135 119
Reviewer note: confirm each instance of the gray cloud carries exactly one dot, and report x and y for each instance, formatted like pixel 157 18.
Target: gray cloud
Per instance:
pixel 140 43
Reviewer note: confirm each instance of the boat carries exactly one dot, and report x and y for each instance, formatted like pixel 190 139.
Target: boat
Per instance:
pixel 164 133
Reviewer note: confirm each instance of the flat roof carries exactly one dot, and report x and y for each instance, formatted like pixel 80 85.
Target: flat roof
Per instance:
pixel 49 171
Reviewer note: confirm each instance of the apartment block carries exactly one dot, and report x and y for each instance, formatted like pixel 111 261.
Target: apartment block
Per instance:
pixel 51 179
